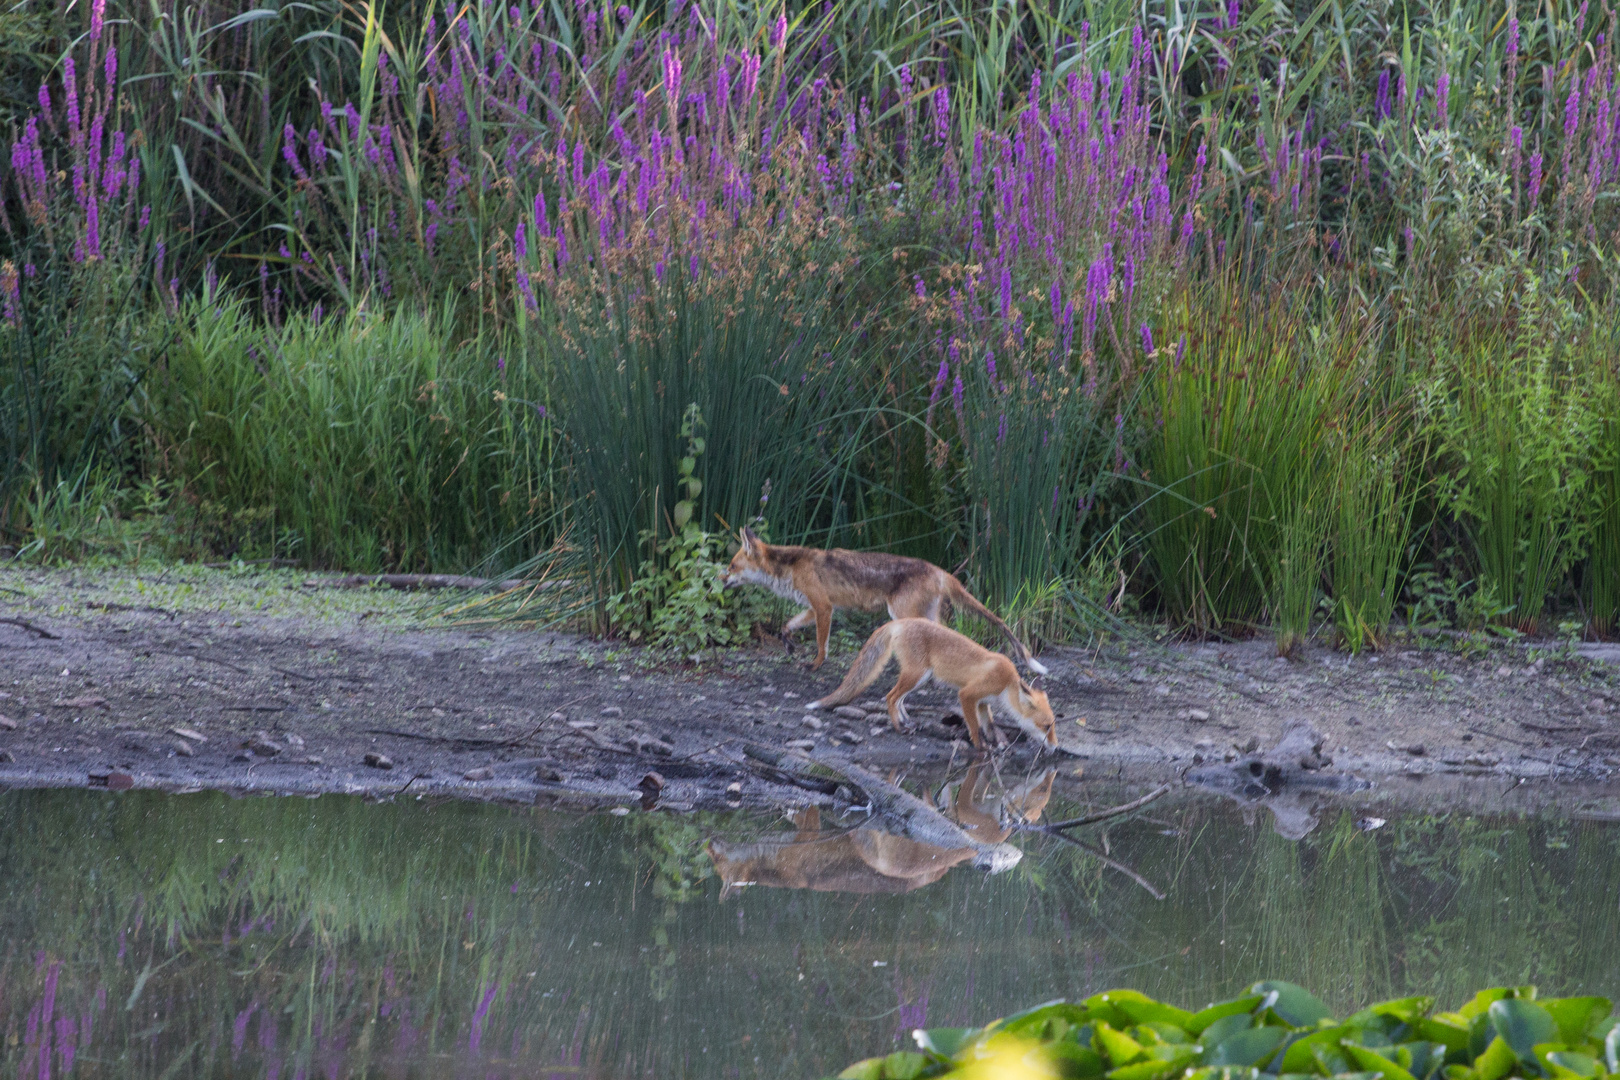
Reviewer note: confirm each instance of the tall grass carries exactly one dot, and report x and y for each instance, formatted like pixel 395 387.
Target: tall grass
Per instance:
pixel 1518 430
pixel 1240 470
pixel 366 442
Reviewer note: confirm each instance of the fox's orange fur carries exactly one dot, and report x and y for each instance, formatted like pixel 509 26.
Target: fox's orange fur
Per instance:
pixel 864 580
pixel 927 649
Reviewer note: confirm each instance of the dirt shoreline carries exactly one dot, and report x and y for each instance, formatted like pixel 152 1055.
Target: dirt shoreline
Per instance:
pixel 97 667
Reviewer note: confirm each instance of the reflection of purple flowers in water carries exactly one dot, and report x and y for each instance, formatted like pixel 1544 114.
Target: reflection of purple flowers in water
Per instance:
pixel 479 1014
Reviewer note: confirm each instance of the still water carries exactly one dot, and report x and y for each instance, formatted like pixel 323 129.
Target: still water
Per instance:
pixel 152 936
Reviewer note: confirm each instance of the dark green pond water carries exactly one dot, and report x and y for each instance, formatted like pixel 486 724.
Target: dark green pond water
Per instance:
pixel 153 936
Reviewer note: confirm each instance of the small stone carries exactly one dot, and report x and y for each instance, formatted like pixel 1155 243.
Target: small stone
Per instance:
pixel 557 717
pixel 1162 690
pixel 378 761
pixel 850 736
pixel 1198 716
pixel 814 723
pixel 119 781
pixel 850 712
pixel 582 725
pixel 1368 824
pixel 734 788
pixel 313 759
pixel 261 744
pixel 478 774
pixel 800 744
pixel 878 716
pixel 244 756
pixel 612 710
pixel 1503 672
pixel 1415 749
pixel 1140 675
pixel 651 783
pixel 293 741
pixel 619 811
pixel 549 775
pixel 7 723
pixel 1203 744
pixel 652 746
pixel 789 694
pixel 6 758
pixel 183 748
pixel 876 729
pixel 1482 761
pixel 188 734
pixel 1599 705
pixel 1249 747
pixel 88 701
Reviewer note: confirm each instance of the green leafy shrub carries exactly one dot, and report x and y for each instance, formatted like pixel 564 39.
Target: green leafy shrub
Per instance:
pixel 1276 1029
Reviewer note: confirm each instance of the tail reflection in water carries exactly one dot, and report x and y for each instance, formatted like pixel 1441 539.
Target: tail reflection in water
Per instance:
pixel 873 859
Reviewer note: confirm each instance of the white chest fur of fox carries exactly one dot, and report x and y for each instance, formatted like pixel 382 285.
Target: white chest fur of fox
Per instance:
pixel 781 586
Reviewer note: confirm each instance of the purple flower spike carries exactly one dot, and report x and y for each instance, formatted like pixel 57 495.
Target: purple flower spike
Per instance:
pixel 939 381
pixel 1442 91
pixel 520 242
pixel 1147 339
pixel 289 151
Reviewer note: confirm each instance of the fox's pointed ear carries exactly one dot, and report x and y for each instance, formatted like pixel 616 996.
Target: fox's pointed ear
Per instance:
pixel 750 541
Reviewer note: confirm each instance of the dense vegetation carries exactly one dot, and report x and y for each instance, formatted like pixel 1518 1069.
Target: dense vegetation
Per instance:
pixel 1242 315
pixel 1277 1029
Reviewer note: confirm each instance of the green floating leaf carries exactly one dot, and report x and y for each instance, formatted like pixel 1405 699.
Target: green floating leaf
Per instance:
pixel 1522 1024
pixel 1031 1021
pixel 1373 1061
pixel 1119 1047
pixel 1301 1053
pixel 946 1042
pixel 904 1065
pixel 1251 1047
pixel 867 1069
pixel 1225 1028
pixel 1294 1004
pixel 1074 1061
pixel 1577 1017
pixel 1566 1064
pixel 1453 1036
pixel 1125 1007
pixel 1223 1010
pixel 1497 1060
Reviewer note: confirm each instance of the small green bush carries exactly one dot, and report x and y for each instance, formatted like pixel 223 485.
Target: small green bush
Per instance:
pixel 1276 1029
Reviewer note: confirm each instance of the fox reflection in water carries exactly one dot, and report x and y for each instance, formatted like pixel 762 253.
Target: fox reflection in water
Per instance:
pixel 872 860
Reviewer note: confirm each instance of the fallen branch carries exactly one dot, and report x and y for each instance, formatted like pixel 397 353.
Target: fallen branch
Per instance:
pixel 26 625
pixel 1104 815
pixel 412 582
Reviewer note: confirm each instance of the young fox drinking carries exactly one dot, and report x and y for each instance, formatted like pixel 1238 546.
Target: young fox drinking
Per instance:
pixel 865 580
pixel 925 648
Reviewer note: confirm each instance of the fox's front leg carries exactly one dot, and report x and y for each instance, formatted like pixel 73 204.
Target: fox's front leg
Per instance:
pixel 798 622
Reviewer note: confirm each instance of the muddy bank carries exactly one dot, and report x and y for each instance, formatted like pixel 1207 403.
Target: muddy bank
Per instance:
pixel 189 678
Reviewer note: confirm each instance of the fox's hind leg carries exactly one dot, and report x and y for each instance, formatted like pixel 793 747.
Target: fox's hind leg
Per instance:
pixel 908 681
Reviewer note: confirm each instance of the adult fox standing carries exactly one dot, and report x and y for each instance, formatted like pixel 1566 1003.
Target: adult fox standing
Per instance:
pixel 864 580
pixel 928 650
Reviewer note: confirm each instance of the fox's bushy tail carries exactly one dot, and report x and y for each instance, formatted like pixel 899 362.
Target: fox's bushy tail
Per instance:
pixel 964 599
pixel 874 657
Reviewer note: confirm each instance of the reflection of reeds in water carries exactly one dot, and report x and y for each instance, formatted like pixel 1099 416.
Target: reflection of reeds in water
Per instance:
pixel 402 940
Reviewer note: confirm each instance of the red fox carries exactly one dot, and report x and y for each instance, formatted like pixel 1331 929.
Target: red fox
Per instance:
pixel 925 649
pixel 865 580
